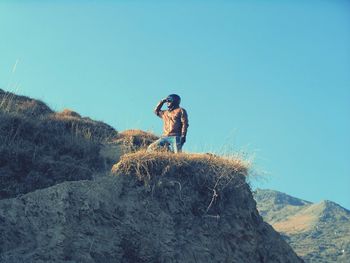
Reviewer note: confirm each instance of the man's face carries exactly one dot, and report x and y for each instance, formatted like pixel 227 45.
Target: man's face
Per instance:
pixel 169 103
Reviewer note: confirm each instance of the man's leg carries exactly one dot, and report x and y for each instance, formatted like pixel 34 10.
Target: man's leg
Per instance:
pixel 155 145
pixel 176 144
pixel 161 142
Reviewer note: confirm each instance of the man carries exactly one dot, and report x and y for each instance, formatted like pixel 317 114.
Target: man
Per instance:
pixel 175 124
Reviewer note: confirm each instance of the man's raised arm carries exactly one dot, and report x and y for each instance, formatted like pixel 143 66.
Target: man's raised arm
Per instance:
pixel 158 108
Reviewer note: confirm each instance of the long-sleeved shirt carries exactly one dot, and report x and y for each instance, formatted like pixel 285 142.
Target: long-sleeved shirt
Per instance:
pixel 175 121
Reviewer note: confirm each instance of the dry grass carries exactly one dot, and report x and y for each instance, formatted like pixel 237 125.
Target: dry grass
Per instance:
pixel 303 221
pixel 137 133
pixel 82 126
pixel 204 178
pixel 40 148
pixel 36 153
pixel 67 113
pixel 135 140
pixel 126 142
pixel 215 171
pixel 12 103
pixel 296 224
pixel 133 162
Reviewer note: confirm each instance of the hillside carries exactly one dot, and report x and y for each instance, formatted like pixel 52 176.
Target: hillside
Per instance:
pixel 62 201
pixel 317 232
pixel 40 147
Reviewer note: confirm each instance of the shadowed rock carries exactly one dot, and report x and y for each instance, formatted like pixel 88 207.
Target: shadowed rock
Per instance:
pixel 168 215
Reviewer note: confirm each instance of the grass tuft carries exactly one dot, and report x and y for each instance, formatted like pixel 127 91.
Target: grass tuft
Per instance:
pixel 143 164
pixel 204 178
pixel 135 140
pixel 40 148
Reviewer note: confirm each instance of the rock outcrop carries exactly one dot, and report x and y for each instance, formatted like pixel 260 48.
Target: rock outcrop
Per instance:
pixel 183 208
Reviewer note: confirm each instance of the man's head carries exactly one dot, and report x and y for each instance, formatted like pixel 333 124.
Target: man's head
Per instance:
pixel 173 101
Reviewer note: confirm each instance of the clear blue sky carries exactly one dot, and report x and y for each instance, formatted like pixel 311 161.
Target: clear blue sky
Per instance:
pixel 271 78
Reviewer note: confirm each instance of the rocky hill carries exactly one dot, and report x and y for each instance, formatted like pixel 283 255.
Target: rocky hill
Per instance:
pixel 40 147
pixel 318 232
pixel 62 202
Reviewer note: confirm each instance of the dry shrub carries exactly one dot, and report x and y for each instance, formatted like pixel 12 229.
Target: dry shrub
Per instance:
pixel 36 154
pixel 72 122
pixel 135 140
pixel 147 164
pixel 66 113
pixel 12 103
pixel 203 179
pixel 66 121
pixel 40 148
pixel 126 142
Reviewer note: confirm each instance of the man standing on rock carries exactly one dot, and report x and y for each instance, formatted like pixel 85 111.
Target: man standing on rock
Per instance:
pixel 175 124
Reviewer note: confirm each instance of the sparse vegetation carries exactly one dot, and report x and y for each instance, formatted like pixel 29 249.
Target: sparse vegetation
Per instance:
pixel 40 148
pixel 144 164
pixel 15 104
pixel 68 120
pixel 318 232
pixel 135 140
pixel 212 174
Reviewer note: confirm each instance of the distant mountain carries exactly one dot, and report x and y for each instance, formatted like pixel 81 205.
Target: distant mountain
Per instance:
pixel 317 232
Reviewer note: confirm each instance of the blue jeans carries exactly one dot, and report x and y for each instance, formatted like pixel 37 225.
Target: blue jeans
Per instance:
pixel 173 142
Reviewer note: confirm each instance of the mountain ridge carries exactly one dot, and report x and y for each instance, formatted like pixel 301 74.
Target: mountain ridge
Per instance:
pixel 319 232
